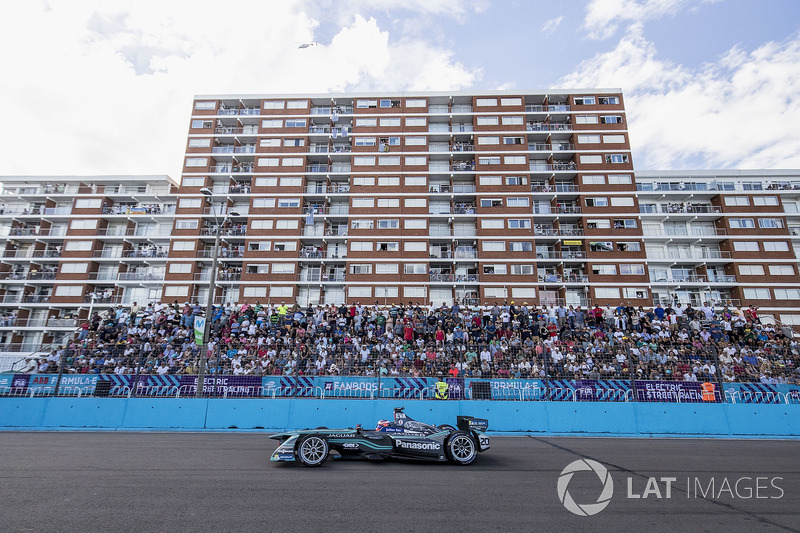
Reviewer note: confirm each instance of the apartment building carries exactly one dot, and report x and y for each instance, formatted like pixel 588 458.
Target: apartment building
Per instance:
pixel 71 243
pixel 424 197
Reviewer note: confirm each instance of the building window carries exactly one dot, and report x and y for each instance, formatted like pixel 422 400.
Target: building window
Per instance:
pixel 388 223
pixel 495 270
pixel 414 292
pixel 585 119
pixel 205 105
pixel 489 160
pixel 412 181
pixel 738 223
pixel 608 100
pixel 626 246
pixel 391 122
pixel 266 182
pixel 614 139
pixel 492 223
pixel 781 270
pixel 415 268
pixel 193 181
pixel 521 270
pixel 386 268
pixel 486 102
pixel 737 200
pixel 631 270
pixel 765 200
pixel 202 124
pixel 770 223
pixel 362 223
pixel 610 119
pixel 516 180
pixel 361 246
pixel 83 224
pixel 604 270
pixel 292 162
pixel 416 102
pixel 297 104
pixel 180 268
pixel 512 121
pixel 493 246
pixel 186 223
pixel 366 104
pixel 415 223
pixel 514 159
pixel 625 223
pixel 359 292
pixel 616 158
pixel 176 290
pixel 787 294
pixel 589 139
pixel 752 270
pixel 274 104
pixel 182 246
pixel 363 202
pixel 363 181
pixel 488 121
pixel 281 292
pixel 490 180
pixel 388 181
pixel 745 246
pixel 254 292
pixel 289 202
pixel 751 293
pixel 264 202
pixel 606 292
pixel 74 268
pixel 286 223
pixel 390 160
pixel 415 202
pixel 389 202
pixel 416 141
pixel 283 268
pixel 416 160
pixel 199 143
pixel 495 292
pixel 519 223
pixel 272 123
pixel 776 246
pixel 622 201
pixel 191 203
pixel 584 100
pixel 196 161
pixel 520 246
pixel 367 122
pixel 510 101
pixel 416 121
pixel 484 140
pixel 594 179
pixel 591 159
pixel 619 179
pixel 518 201
pixel 364 141
pixel 597 201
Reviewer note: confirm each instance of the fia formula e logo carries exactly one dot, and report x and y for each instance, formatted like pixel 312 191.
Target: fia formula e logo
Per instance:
pixel 585 509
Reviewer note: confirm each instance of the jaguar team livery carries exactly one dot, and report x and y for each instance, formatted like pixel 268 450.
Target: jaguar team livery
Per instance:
pixel 403 438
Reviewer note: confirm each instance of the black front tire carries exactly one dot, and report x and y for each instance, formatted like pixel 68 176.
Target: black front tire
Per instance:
pixel 312 450
pixel 461 448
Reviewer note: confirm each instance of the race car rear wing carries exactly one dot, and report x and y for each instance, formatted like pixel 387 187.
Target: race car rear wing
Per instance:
pixel 468 423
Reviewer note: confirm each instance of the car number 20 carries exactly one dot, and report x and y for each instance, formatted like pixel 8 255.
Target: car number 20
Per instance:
pixel 484 441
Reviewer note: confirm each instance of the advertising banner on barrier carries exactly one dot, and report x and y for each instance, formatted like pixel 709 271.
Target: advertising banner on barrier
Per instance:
pixel 406 387
pixel 676 391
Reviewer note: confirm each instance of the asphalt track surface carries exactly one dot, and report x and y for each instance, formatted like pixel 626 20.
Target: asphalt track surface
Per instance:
pixel 89 481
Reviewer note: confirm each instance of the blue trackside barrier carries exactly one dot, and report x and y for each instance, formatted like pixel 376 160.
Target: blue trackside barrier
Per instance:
pixel 598 418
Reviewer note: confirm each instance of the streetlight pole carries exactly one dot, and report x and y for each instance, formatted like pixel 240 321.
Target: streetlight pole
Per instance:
pixel 201 371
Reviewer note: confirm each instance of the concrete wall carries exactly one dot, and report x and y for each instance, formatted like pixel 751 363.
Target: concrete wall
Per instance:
pixel 542 418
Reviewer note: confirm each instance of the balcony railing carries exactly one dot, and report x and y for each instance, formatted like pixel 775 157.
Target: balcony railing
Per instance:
pixel 444 278
pixel 693 255
pixel 567 209
pixel 572 255
pixel 554 126
pixel 543 167
pixel 140 276
pixel 678 209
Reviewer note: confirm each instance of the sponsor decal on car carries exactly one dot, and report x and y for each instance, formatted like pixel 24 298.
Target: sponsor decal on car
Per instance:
pixel 413 445
pixel 349 445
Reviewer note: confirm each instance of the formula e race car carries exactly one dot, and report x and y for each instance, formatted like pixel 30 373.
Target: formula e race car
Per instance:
pixel 403 438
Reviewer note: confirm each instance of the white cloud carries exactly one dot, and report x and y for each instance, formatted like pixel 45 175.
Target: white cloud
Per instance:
pixel 106 87
pixel 551 25
pixel 741 112
pixel 603 17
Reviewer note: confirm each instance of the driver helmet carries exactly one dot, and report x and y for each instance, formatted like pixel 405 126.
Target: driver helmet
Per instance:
pixel 382 424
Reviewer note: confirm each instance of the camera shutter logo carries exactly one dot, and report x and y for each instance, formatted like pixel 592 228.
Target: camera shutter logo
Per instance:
pixel 586 509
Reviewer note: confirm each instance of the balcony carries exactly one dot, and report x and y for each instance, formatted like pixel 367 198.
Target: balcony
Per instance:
pixel 694 255
pixel 466 253
pixel 535 108
pixel 672 209
pixel 224 253
pixel 321 129
pixel 149 252
pixel 572 255
pixel 463 166
pixel 319 277
pixel 554 126
pixel 442 278
pixel 567 209
pixel 234 130
pixel 692 232
pixel 140 276
pixel 239 230
pixel 576 278
pixel 227 168
pixel 153 209
pixel 550 278
pixel 462 208
pixel 544 167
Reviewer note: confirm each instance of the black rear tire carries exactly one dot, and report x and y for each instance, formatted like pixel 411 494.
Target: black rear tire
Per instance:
pixel 312 450
pixel 461 448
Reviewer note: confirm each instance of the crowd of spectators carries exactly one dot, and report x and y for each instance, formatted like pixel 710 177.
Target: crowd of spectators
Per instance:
pixel 495 340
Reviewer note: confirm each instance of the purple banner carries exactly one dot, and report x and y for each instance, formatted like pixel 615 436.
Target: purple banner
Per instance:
pixel 676 391
pixel 223 385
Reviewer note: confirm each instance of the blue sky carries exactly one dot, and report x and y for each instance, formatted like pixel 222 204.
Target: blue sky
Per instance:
pixel 108 85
